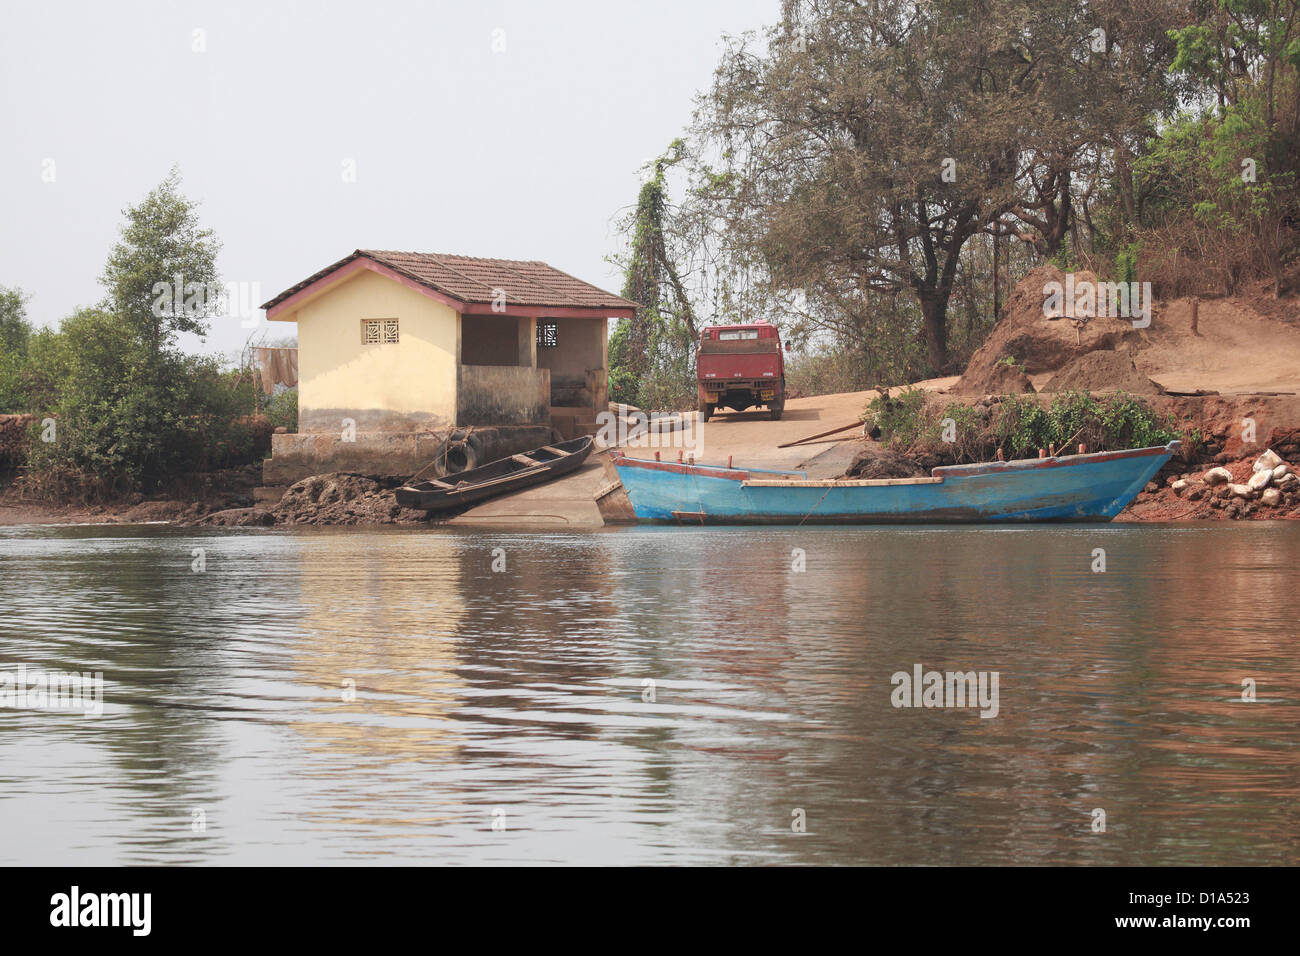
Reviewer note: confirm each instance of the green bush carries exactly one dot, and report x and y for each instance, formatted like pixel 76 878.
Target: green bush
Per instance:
pixel 911 425
pixel 129 419
pixel 901 419
pixel 1022 425
pixel 666 390
pixel 1126 262
pixel 281 410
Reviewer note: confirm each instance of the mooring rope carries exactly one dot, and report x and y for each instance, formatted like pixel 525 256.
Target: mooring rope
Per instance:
pixel 815 507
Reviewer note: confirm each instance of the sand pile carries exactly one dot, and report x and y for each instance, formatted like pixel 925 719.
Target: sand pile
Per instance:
pixel 1003 377
pixel 1102 372
pixel 1036 343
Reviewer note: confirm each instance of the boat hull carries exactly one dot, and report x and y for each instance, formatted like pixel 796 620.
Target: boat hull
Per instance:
pixel 1093 487
pixel 504 476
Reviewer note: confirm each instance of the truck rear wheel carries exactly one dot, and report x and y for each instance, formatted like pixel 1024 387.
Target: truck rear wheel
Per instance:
pixel 777 405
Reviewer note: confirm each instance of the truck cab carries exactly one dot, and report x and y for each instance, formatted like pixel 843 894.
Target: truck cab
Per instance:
pixel 740 367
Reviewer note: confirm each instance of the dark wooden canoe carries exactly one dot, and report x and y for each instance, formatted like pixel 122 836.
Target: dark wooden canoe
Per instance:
pixel 496 477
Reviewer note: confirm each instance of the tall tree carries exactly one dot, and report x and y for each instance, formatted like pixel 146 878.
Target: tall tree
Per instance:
pixel 15 330
pixel 15 334
pixel 869 141
pixel 162 275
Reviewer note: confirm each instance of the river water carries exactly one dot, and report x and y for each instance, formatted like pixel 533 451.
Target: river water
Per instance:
pixel 654 695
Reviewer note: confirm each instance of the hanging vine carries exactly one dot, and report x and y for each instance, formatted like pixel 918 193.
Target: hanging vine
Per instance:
pixel 651 354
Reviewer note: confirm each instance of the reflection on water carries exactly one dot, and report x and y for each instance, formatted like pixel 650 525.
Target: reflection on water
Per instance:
pixel 653 695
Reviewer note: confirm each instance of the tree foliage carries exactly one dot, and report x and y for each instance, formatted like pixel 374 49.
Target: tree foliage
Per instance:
pixel 162 245
pixel 131 410
pixel 873 175
pixel 863 145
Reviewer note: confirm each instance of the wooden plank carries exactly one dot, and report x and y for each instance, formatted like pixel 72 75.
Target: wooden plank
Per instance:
pixel 525 460
pixel 608 488
pixel 847 483
pixel 553 450
pixel 833 431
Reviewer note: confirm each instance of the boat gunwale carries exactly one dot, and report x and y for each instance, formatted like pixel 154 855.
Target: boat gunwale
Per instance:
pixel 501 471
pixel 620 459
pixel 846 483
pixel 936 476
pixel 1055 461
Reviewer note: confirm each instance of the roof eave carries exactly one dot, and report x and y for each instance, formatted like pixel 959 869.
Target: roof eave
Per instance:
pixel 293 297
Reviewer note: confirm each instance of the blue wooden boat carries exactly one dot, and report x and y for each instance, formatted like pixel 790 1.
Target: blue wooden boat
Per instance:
pixel 1093 487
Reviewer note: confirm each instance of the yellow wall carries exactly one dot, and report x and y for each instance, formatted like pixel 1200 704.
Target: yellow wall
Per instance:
pixel 388 387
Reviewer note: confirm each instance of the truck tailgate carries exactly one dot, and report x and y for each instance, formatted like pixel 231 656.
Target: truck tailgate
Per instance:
pixel 738 365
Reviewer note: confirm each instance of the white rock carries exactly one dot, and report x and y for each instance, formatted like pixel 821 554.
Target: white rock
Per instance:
pixel 1289 480
pixel 1269 460
pixel 1218 476
pixel 1260 480
pixel 1179 486
pixel 1270 497
pixel 1280 470
pixel 1240 491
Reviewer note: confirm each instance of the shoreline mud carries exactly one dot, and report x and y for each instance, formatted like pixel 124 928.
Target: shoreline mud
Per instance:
pixel 1180 492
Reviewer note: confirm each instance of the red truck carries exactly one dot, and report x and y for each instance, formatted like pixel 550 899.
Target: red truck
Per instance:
pixel 740 366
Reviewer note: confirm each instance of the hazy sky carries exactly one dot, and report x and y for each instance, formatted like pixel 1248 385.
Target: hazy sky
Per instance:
pixel 526 152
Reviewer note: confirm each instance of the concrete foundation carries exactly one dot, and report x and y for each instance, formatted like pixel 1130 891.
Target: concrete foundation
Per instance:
pixel 383 454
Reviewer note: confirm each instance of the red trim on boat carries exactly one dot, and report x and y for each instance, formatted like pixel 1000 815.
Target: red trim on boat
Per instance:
pixel 1033 464
pixel 714 471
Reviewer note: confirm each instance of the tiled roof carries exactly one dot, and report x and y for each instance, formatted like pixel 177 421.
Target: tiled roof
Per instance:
pixel 473 280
